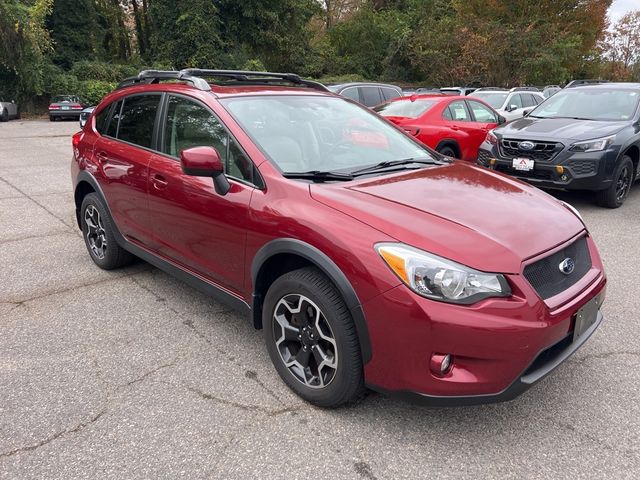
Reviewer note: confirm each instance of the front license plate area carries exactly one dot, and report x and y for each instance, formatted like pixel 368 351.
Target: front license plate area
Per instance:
pixel 585 317
pixel 522 164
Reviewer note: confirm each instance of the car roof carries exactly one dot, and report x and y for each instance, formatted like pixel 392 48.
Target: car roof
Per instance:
pixel 608 86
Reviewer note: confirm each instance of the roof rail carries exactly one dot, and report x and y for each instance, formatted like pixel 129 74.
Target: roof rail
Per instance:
pixel 248 77
pixel 154 76
pixel 583 82
pixel 525 89
pixel 194 76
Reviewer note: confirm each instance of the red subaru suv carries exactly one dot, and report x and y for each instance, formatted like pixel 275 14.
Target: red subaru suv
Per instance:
pixel 368 259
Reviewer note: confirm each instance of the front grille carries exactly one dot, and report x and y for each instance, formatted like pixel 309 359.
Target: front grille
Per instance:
pixel 582 167
pixel 545 275
pixel 537 174
pixel 542 151
pixel 483 157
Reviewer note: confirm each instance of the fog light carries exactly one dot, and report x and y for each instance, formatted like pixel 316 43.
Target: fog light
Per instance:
pixel 441 363
pixel 559 170
pixel 564 178
pixel 492 161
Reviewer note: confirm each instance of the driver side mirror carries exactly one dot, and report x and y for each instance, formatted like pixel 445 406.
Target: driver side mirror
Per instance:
pixel 501 120
pixel 512 107
pixel 525 113
pixel 205 162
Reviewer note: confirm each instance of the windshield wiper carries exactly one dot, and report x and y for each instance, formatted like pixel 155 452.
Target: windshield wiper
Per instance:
pixel 395 163
pixel 319 175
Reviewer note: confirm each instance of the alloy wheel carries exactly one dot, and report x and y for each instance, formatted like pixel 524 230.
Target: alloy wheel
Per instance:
pixel 96 235
pixel 304 341
pixel 623 183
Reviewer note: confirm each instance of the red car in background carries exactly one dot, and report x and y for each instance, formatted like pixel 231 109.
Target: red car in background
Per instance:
pixel 453 126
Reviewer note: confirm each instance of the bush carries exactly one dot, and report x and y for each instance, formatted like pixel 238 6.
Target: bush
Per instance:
pixel 92 91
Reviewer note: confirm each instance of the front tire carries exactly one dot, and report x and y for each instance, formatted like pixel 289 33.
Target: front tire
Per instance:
pixel 447 151
pixel 311 339
pixel 623 177
pixel 98 234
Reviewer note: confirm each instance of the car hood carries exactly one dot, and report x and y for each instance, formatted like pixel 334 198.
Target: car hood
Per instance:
pixel 559 128
pixel 474 216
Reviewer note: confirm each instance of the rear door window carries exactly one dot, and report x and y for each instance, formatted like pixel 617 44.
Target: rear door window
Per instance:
pixel 137 119
pixel 529 100
pixel 371 96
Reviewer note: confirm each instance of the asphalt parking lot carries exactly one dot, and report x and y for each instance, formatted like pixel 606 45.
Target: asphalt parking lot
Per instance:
pixel 132 374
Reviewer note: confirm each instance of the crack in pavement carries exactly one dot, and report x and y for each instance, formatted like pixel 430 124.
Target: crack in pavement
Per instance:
pixel 78 428
pixel 271 412
pixel 76 287
pixel 31 237
pixel 36 202
pixel 592 356
pixel 108 403
pixel 250 374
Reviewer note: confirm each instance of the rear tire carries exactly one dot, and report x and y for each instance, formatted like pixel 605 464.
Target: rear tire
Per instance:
pixel 312 340
pixel 98 233
pixel 623 177
pixel 447 151
pixel 52 118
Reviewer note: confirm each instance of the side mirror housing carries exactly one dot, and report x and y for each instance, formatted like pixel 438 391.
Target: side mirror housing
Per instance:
pixel 525 113
pixel 205 162
pixel 512 107
pixel 501 120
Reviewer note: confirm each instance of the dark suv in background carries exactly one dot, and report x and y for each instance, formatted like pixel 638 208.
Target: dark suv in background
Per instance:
pixel 582 138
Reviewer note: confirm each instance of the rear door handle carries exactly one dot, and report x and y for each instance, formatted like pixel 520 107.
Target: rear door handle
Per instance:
pixel 453 127
pixel 159 182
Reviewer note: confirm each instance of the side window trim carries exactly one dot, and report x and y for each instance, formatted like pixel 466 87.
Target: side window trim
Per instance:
pixel 258 180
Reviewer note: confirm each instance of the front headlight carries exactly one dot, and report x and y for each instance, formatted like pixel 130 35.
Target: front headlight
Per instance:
pixel 440 279
pixel 596 145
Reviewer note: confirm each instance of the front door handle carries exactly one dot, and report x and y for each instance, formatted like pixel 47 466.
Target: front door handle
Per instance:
pixel 159 182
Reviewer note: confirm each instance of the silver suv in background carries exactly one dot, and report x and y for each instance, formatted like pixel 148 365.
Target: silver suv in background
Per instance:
pixel 368 94
pixel 8 110
pixel 511 104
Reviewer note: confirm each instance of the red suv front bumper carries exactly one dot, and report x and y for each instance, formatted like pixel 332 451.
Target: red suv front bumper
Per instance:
pixel 500 347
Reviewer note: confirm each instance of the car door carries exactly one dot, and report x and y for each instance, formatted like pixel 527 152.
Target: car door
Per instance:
pixel 458 126
pixel 122 155
pixel 192 224
pixel 484 119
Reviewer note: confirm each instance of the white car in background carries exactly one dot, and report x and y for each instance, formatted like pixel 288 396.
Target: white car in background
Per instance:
pixel 511 104
pixel 8 110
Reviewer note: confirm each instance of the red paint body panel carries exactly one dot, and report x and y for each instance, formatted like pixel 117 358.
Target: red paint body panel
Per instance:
pixel 470 215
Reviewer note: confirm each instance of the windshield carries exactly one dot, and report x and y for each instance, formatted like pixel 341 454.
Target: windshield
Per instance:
pixel 405 108
pixel 495 99
pixel 306 133
pixel 590 104
pixel 65 98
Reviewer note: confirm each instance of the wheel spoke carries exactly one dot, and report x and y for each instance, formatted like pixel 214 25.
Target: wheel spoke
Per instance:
pixel 302 357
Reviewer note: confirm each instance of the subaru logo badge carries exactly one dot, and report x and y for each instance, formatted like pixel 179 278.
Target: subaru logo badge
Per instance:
pixel 526 145
pixel 567 266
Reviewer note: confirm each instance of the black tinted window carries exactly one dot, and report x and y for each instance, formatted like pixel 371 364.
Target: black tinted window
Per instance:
pixel 370 96
pixel 192 125
pixel 112 128
pixel 101 119
pixel 138 118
